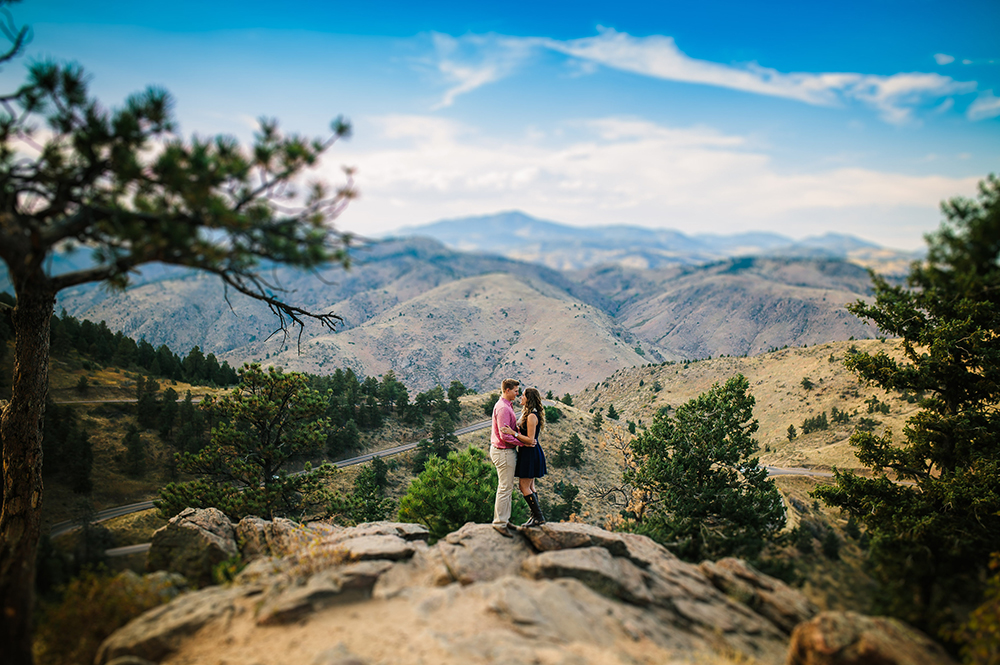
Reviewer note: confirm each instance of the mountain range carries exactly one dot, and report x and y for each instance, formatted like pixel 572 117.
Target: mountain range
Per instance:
pixel 519 236
pixel 432 314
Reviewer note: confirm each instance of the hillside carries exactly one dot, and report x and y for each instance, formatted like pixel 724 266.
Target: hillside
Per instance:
pixel 432 314
pixel 735 307
pixel 781 400
pixel 478 330
pixel 775 380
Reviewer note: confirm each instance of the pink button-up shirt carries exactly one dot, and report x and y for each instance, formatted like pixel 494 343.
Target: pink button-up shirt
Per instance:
pixel 503 414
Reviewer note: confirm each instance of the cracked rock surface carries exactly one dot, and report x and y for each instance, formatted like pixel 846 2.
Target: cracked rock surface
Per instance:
pixel 378 593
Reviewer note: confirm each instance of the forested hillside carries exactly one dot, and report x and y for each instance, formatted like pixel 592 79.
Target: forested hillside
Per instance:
pixel 119 410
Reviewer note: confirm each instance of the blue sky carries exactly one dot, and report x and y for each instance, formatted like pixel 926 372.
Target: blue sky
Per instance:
pixel 708 117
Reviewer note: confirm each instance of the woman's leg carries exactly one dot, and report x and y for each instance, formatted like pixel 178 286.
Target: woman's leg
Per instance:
pixel 525 485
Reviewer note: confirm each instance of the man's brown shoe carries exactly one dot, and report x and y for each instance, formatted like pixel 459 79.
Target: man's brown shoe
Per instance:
pixel 503 530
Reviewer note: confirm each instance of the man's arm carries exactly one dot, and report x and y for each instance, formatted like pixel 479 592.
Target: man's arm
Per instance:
pixel 511 421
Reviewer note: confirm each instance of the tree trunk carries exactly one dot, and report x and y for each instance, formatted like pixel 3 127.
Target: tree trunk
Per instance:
pixel 21 434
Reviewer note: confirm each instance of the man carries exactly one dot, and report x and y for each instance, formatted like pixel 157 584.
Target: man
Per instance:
pixel 503 452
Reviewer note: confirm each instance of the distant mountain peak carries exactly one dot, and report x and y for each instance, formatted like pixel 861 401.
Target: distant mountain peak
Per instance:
pixel 517 235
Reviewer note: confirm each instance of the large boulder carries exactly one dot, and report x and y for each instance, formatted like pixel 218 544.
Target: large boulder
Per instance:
pixel 783 606
pixel 603 572
pixel 477 553
pixel 559 593
pixel 160 631
pixel 849 638
pixel 258 537
pixel 192 544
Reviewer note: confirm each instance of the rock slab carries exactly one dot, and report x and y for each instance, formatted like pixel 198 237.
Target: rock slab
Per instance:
pixel 849 638
pixel 192 544
pixel 559 593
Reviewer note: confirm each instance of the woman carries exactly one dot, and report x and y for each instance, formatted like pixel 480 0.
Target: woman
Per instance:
pixel 530 458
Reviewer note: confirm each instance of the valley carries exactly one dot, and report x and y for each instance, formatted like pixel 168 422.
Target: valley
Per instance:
pixel 431 314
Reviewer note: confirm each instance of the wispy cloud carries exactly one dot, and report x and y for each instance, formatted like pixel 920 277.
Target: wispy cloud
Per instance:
pixel 473 61
pixel 894 97
pixel 985 107
pixel 627 170
pixel 658 57
pixel 944 58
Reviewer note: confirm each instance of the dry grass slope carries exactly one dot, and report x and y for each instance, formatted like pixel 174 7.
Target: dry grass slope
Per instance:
pixel 781 400
pixel 478 330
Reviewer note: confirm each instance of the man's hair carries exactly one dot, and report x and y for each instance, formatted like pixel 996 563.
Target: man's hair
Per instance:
pixel 509 383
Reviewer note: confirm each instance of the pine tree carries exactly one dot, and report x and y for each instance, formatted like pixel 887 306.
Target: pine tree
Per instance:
pixel 452 491
pixel 135 453
pixel 574 451
pixel 147 409
pixel 714 497
pixel 442 442
pixel 569 506
pixel 569 454
pixel 369 502
pixel 266 421
pixel 455 390
pixel 194 366
pixel 190 435
pixel 168 414
pixel 342 439
pixel 932 505
pixel 123 184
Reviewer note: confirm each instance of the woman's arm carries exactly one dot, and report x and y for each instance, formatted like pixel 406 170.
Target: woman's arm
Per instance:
pixel 528 440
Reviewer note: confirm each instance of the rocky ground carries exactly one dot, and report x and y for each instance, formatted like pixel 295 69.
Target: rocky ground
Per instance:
pixel 562 593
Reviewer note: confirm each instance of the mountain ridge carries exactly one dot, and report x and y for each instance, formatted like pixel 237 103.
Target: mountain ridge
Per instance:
pixel 517 235
pixel 613 316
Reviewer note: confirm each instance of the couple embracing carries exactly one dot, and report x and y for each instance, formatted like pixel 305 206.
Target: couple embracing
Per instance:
pixel 515 452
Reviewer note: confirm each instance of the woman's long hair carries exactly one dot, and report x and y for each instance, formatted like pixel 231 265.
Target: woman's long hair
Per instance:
pixel 532 404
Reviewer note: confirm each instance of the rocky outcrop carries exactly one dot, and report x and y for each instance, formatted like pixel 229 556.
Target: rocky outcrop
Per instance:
pixel 160 631
pixel 192 544
pixel 781 604
pixel 848 638
pixel 377 593
pixel 257 537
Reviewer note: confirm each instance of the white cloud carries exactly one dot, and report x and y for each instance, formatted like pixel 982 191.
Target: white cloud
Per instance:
pixel 657 56
pixel 944 58
pixel 896 96
pixel 475 60
pixel 985 107
pixel 626 170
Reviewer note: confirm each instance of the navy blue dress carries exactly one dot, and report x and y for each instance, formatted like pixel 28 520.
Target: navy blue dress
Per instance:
pixel 530 459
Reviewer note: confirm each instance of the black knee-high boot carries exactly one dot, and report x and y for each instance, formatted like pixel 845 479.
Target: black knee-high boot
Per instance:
pixel 538 504
pixel 536 511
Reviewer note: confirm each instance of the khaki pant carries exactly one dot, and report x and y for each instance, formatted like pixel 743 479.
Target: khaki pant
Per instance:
pixel 504 459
